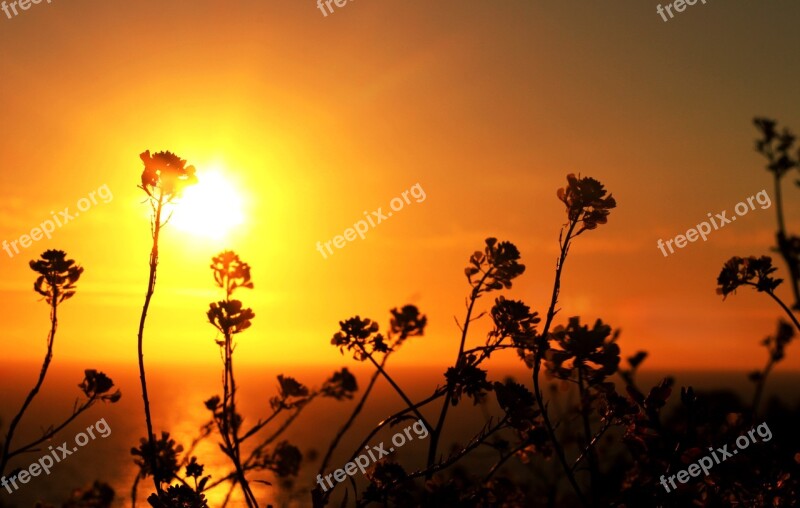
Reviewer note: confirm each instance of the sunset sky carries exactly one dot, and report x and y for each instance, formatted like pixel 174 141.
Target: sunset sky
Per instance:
pixel 298 123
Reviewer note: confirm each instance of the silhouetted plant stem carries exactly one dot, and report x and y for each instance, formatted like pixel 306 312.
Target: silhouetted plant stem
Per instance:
pixel 349 423
pixel 587 429
pixel 233 424
pixel 7 454
pixel 784 307
pixel 783 246
pixel 591 444
pixel 537 364
pixel 395 386
pixel 151 286
pixel 437 431
pixel 760 385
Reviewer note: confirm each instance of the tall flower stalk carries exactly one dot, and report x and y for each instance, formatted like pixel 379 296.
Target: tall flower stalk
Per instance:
pixel 164 178
pixel 230 318
pixel 56 283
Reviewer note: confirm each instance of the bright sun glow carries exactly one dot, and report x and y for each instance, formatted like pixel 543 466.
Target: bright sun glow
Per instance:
pixel 211 208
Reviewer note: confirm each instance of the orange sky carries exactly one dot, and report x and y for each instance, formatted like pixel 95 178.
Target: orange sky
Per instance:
pixel 487 105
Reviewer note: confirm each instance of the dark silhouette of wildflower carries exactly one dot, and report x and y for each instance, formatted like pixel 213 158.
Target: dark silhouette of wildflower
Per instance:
pixel 291 393
pixel 407 322
pixel 163 455
pixel 594 350
pixel 775 146
pixel 178 496
pixel 514 319
pixel 229 317
pixel 57 276
pixel 166 172
pixel 285 460
pixel 518 403
pixel 353 335
pixel 468 379
pixel 97 385
pixel 739 272
pixel 586 202
pixel 230 272
pixel 498 264
pixel 341 385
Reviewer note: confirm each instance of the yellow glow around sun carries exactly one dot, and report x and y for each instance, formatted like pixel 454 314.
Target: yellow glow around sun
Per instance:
pixel 211 208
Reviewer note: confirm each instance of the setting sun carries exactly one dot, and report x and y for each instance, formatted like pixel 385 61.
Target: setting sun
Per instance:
pixel 211 209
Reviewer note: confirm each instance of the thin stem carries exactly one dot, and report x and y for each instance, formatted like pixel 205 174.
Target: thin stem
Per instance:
pixel 349 423
pixel 35 390
pixel 784 307
pixel 395 386
pixel 587 429
pixel 537 364
pixel 55 430
pixel 437 431
pixel 762 380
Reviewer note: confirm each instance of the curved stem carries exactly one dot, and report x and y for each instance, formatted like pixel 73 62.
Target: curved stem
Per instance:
pixel 151 286
pixel 437 431
pixel 395 386
pixel 35 390
pixel 537 365
pixel 349 423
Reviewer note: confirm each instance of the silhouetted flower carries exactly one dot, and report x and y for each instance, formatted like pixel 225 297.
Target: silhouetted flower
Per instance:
pixel 775 146
pixel 167 172
pixel 342 385
pixel 229 317
pixel 514 319
pixel 353 335
pixel 586 201
pixel 165 452
pixel 288 389
pixel 97 385
pixel 193 469
pixel 178 496
pixel 230 272
pixel 518 403
pixel 285 460
pixel 388 480
pixel 407 322
pixel 57 276
pixel 595 351
pixel 467 379
pixel 213 403
pixel 739 271
pixel 498 264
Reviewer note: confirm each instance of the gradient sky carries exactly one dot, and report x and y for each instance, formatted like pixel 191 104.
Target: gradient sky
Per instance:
pixel 312 120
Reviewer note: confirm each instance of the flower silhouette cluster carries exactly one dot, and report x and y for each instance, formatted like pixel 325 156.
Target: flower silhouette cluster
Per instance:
pixel 96 385
pixel 750 271
pixel 166 173
pixel 593 351
pixel 57 276
pixel 229 317
pixel 498 265
pixel 776 146
pixel 586 202
pixel 514 319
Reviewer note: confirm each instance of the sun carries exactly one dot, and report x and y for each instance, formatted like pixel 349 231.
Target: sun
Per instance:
pixel 212 208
